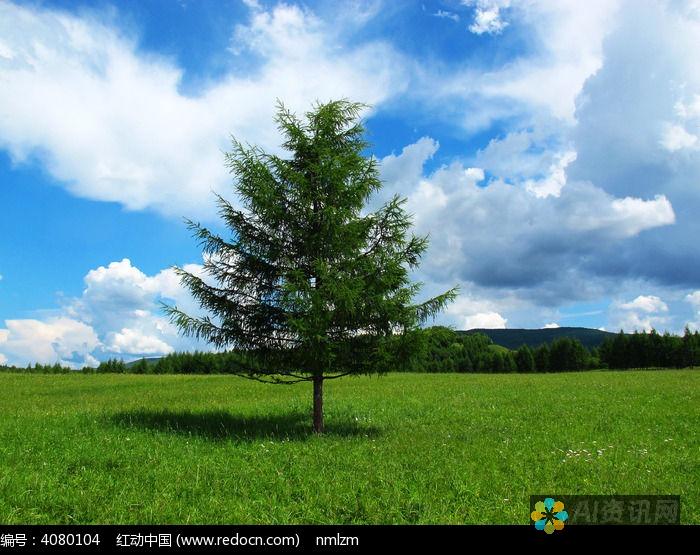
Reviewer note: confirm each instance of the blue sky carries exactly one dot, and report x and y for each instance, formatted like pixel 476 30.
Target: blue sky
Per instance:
pixel 550 148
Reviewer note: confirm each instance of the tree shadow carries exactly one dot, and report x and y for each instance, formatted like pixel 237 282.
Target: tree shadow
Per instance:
pixel 221 425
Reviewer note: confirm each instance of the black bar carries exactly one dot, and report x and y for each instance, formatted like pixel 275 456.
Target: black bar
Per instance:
pixel 324 539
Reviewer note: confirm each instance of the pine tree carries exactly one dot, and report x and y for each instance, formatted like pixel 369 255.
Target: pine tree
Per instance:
pixel 524 359
pixel 140 367
pixel 542 362
pixel 307 286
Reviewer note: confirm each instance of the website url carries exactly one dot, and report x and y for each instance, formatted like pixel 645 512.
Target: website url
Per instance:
pixel 237 540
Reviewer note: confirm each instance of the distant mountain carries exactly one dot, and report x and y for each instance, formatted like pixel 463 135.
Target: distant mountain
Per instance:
pixel 149 360
pixel 514 338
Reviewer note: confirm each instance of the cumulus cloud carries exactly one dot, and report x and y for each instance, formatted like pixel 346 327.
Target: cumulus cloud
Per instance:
pixel 565 48
pixel 467 311
pixel 555 180
pixel 112 124
pixel 122 303
pixel 637 117
pixel 613 186
pixel 595 173
pixel 129 341
pixel 524 155
pixel 399 171
pixel 485 320
pixel 117 315
pixel 644 313
pixel 646 303
pixel 624 109
pixel 58 339
pixel 676 138
pixel 633 215
pixel 551 325
pixel 694 300
pixel 487 16
pixel 689 109
pixel 503 235
pixel 121 292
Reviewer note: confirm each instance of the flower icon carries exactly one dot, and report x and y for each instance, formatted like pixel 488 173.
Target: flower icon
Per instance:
pixel 549 515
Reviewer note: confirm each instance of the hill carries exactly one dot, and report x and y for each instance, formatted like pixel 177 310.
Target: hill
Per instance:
pixel 514 338
pixel 149 360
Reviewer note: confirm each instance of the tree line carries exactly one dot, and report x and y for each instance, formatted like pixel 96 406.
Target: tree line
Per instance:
pixel 444 350
pixel 651 350
pixel 441 349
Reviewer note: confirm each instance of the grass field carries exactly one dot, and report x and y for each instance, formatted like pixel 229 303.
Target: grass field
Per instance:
pixel 403 448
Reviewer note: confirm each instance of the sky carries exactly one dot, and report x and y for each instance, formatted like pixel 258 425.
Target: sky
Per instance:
pixel 550 149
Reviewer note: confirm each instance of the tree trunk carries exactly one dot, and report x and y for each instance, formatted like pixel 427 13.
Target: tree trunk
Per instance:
pixel 318 404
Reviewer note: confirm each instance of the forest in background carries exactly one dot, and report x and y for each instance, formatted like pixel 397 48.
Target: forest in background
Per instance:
pixel 442 349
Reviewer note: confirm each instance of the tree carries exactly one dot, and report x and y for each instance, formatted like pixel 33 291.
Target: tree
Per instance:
pixel 509 364
pixel 307 286
pixel 542 358
pixel 524 359
pixel 442 350
pixel 567 354
pixel 140 367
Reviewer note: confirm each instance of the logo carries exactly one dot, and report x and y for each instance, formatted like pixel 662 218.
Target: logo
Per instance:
pixel 549 515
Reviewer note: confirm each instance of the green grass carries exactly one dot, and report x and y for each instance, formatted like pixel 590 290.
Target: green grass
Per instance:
pixel 404 448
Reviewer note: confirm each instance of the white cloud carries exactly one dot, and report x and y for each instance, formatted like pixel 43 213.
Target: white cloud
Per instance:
pixel 644 313
pixel 551 325
pixel 476 175
pixel 111 123
pixel 502 235
pixel 640 106
pixel 636 214
pixel 646 303
pixel 129 341
pixel 553 183
pixel 487 16
pixel 60 339
pixel 694 300
pixel 565 43
pixel 118 314
pixel 443 14
pixel 120 292
pixel 648 84
pixel 591 109
pixel 521 156
pixel 485 320
pixel 427 200
pixel 399 171
pixel 689 109
pixel 675 138
pixel 121 302
pixel 473 309
pixel 5 51
pixel 524 159
pixel 624 217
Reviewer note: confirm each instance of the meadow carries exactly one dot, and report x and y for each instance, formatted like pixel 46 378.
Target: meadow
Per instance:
pixel 400 448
